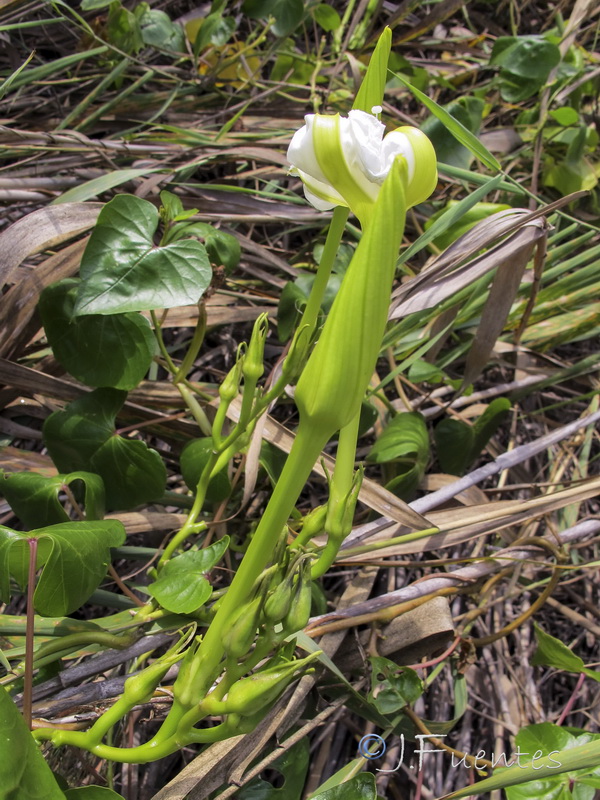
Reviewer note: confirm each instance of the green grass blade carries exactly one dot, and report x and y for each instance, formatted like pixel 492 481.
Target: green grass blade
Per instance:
pixel 12 78
pixel 450 217
pixel 102 184
pixel 457 129
pixel 585 757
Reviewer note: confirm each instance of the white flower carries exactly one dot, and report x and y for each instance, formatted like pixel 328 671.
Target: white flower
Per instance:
pixel 344 160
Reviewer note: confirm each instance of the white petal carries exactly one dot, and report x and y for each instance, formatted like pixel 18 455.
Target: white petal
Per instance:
pixel 361 136
pixel 398 144
pixel 301 151
pixel 322 196
pixel 315 200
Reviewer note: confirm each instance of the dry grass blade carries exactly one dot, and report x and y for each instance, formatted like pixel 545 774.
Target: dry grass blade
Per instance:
pixel 466 523
pixel 505 285
pixel 41 230
pixel 454 580
pixel 444 277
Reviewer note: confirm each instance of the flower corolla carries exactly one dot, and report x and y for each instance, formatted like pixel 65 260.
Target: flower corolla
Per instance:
pixel 343 161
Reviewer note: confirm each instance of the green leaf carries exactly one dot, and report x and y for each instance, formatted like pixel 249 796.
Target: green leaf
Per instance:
pixel 422 371
pixel 564 116
pixel 468 111
pixel 223 249
pixel 459 444
pixel 586 756
pixel 24 775
pixel 488 423
pixel 405 442
pixel 34 498
pixel 92 793
pixel 181 586
pixel 393 687
pixel 552 652
pixel 361 787
pixel 75 557
pixel 123 270
pixel 454 127
pixel 92 5
pixel 453 443
pixel 526 62
pixel 292 766
pixel 96 186
pixel 158 30
pixel 133 474
pixel 82 437
pixel 99 350
pixel 372 87
pixel 326 16
pixel 287 14
pixel 194 458
pixel 215 29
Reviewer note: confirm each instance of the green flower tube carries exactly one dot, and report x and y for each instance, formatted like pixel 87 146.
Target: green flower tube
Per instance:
pixel 333 383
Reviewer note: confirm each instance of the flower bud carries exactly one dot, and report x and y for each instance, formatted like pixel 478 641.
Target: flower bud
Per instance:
pixel 340 511
pixel 257 692
pixel 230 387
pixel 343 161
pixel 299 612
pixel 253 366
pixel 239 635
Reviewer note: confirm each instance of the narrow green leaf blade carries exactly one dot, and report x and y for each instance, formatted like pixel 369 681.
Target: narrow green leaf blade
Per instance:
pixel 453 126
pixel 372 87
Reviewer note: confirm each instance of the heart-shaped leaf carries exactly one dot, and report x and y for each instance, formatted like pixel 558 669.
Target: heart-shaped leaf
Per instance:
pixel 24 775
pixel 405 443
pixel 97 349
pixel 74 555
pixel 83 437
pixel 123 270
pixel 393 688
pixel 181 586
pixel 34 498
pixel 459 444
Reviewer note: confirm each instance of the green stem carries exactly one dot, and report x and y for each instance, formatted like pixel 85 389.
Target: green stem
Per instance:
pixel 196 409
pixel 341 486
pixel 332 243
pixel 194 347
pixel 343 471
pixel 161 344
pixel 29 635
pixel 308 443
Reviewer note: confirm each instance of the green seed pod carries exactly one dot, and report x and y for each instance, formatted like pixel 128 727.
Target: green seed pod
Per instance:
pixel 238 637
pixel 299 612
pixel 255 693
pixel 230 388
pixel 140 688
pixel 279 601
